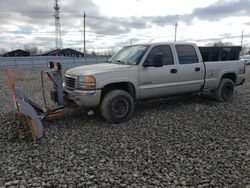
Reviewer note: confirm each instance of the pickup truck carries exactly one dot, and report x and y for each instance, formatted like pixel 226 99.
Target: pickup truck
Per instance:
pixel 147 71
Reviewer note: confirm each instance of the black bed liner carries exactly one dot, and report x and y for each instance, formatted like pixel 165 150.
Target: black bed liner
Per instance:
pixel 225 53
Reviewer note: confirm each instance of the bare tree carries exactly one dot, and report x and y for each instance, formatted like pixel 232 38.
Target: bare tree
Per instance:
pixel 245 50
pixel 2 51
pixel 220 43
pixel 112 51
pixel 33 49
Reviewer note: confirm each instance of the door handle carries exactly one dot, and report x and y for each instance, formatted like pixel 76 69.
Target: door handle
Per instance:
pixel 173 71
pixel 197 69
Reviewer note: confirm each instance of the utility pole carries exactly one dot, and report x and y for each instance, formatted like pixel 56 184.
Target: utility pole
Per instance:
pixel 242 35
pixel 58 37
pixel 175 33
pixel 84 42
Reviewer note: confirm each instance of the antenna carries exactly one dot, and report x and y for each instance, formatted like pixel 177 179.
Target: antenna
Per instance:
pixel 58 38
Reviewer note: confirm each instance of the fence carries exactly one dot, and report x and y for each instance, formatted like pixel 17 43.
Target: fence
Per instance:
pixel 43 60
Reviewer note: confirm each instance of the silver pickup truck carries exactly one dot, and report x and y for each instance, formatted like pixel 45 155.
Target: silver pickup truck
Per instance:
pixel 150 71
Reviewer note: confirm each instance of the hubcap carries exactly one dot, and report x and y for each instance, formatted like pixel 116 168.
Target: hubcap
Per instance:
pixel 119 107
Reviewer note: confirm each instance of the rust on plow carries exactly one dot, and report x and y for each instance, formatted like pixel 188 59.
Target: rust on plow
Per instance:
pixel 54 115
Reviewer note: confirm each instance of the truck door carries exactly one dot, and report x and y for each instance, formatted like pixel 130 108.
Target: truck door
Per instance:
pixel 190 69
pixel 158 81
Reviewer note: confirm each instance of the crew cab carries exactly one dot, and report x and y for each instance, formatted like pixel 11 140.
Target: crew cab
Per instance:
pixel 154 70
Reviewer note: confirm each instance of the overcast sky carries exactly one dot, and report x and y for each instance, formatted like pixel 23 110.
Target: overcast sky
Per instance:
pixel 114 23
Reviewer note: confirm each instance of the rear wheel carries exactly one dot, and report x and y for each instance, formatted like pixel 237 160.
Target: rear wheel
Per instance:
pixel 117 106
pixel 225 90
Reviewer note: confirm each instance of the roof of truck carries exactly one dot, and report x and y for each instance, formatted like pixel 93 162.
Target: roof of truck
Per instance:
pixel 161 43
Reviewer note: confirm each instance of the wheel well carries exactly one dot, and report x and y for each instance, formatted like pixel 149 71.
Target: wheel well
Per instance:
pixel 231 76
pixel 125 86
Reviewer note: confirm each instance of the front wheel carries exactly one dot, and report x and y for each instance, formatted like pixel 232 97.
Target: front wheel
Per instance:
pixel 224 92
pixel 117 106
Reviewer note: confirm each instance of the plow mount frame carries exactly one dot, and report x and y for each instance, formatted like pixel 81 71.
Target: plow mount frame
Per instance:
pixel 35 114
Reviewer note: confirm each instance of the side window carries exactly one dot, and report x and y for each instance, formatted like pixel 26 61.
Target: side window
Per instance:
pixel 166 52
pixel 186 54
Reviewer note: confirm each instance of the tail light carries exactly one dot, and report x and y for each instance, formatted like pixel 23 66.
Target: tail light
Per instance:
pixel 245 68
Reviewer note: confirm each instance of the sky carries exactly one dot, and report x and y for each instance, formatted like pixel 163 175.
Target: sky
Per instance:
pixel 112 24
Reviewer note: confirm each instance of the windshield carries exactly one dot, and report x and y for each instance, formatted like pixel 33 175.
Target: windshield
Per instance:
pixel 130 55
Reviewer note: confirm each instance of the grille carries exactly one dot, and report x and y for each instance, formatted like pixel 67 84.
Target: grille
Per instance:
pixel 70 82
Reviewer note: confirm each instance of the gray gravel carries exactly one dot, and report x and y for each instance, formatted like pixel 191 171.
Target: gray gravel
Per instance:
pixel 184 141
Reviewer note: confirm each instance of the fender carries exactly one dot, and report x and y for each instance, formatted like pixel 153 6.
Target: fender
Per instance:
pixel 222 73
pixel 120 80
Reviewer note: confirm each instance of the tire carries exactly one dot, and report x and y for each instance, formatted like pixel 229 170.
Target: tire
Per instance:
pixel 117 106
pixel 224 91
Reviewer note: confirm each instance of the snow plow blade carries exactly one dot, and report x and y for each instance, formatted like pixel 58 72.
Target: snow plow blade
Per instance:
pixel 33 120
pixel 24 108
pixel 33 112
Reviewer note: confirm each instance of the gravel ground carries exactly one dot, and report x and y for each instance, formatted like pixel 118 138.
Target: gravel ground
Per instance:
pixel 184 141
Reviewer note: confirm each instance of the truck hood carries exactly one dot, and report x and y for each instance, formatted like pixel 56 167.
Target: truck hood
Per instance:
pixel 96 68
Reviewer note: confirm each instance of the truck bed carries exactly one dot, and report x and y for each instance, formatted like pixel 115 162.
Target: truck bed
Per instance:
pixel 215 70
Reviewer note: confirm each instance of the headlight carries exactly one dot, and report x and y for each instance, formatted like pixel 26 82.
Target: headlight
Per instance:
pixel 86 82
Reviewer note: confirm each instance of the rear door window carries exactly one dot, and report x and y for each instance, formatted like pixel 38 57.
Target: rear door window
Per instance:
pixel 186 54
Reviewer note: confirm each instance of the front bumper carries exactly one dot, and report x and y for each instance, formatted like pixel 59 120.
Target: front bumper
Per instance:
pixel 84 98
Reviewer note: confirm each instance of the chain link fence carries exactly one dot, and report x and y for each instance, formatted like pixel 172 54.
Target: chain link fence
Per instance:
pixel 43 60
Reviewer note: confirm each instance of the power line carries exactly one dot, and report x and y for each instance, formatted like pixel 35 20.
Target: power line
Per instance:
pixel 65 15
pixel 96 34
pixel 74 33
pixel 45 12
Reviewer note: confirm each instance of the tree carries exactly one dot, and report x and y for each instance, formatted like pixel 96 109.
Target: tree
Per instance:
pixel 2 51
pixel 33 50
pixel 220 43
pixel 93 53
pixel 245 50
pixel 112 51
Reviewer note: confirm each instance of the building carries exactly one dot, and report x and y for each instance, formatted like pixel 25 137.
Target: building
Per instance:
pixel 67 52
pixel 16 53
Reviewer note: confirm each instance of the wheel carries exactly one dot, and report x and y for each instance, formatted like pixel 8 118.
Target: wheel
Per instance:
pixel 224 91
pixel 117 106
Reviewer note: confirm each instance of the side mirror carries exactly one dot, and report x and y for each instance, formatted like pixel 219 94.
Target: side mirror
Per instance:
pixel 157 60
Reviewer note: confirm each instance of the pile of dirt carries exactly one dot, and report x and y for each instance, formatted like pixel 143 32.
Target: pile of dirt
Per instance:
pixel 14 128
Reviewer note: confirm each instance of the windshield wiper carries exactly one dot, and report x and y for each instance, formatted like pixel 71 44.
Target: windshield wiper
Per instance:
pixel 120 61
